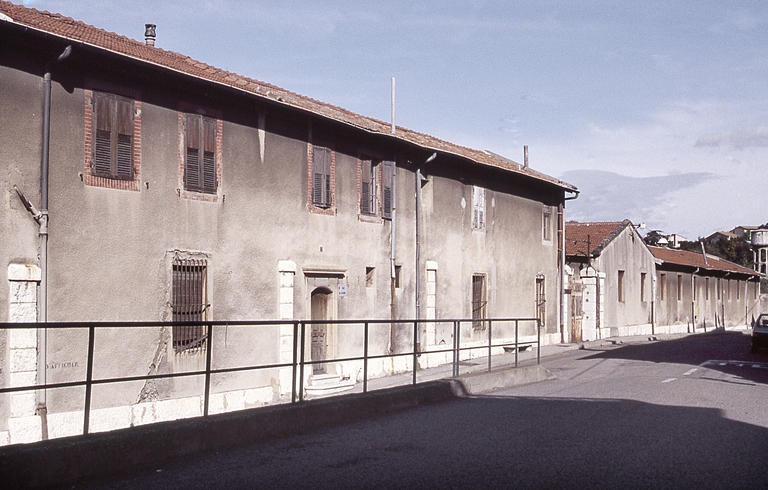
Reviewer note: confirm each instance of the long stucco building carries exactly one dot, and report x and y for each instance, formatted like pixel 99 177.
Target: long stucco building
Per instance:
pixel 617 285
pixel 174 190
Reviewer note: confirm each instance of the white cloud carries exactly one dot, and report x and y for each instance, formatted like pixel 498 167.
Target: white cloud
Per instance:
pixel 738 139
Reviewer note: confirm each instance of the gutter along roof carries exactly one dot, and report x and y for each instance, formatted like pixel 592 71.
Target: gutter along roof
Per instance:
pixel 685 258
pixel 78 32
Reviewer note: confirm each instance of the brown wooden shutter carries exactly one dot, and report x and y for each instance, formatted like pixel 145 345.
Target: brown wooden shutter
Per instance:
pixel 321 176
pixel 113 136
pixel 366 204
pixel 192 177
pixel 209 155
pixel 387 189
pixel 102 140
pixel 124 150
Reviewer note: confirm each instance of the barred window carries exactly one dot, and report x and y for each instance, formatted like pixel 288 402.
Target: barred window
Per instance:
pixel 189 303
pixel 478 301
pixel 478 208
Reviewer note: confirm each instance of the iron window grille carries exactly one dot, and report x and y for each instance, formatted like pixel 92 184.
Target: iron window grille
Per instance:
pixel 478 208
pixel 478 302
pixel 189 303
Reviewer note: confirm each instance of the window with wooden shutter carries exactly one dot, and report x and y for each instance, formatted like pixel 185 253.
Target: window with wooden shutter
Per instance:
pixel 387 189
pixel 321 176
pixel 368 170
pixel 546 223
pixel 200 155
pixel 189 303
pixel 478 208
pixel 112 136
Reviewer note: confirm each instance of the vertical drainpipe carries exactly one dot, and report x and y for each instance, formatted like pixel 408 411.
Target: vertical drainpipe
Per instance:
pixel 561 259
pixel 418 248
pixel 561 237
pixel 722 296
pixel 393 237
pixel 693 298
pixel 392 261
pixel 418 255
pixel 42 333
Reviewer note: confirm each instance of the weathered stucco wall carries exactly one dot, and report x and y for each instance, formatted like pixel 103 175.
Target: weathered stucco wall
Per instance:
pixel 111 251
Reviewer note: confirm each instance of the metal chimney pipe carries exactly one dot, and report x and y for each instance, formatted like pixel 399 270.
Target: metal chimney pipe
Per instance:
pixel 150 34
pixel 525 156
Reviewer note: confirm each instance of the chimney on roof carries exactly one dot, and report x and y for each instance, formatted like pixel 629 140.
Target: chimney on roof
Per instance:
pixel 525 156
pixel 149 34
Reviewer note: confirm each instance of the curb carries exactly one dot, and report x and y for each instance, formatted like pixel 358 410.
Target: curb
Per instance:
pixel 476 383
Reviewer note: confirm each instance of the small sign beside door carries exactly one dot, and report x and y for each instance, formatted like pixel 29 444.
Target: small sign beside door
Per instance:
pixel 342 290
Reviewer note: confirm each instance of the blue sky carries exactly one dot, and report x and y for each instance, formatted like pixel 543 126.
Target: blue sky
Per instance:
pixel 656 110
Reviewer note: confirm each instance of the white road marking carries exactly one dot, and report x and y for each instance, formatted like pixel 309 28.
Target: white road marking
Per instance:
pixel 690 371
pixel 669 380
pixel 757 365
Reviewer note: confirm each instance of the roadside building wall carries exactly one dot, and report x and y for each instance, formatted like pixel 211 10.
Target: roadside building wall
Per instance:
pixel 266 247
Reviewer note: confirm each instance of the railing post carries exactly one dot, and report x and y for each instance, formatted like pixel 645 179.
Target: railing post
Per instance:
pixel 294 365
pixel 490 343
pixel 301 363
pixel 415 345
pixel 208 355
pixel 538 342
pixel 456 347
pixel 365 359
pixel 88 381
pixel 517 340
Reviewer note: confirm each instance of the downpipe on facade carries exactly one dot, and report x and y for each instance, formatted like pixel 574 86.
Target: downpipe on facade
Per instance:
pixel 42 333
pixel 561 238
pixel 419 178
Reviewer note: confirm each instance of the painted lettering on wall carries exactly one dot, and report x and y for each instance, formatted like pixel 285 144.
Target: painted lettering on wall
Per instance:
pixel 62 365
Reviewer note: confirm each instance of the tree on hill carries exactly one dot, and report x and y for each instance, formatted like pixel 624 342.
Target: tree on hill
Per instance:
pixel 736 250
pixel 653 237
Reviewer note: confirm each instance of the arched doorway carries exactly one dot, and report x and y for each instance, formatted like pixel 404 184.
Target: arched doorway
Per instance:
pixel 319 344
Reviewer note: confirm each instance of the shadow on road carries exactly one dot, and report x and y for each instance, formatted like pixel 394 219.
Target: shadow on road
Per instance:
pixel 490 442
pixel 731 348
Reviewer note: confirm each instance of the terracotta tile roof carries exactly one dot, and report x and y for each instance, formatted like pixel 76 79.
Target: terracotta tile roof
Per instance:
pixel 80 33
pixel 599 234
pixel 693 259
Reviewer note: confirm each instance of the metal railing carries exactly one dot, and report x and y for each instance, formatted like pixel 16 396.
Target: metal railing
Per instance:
pixel 299 362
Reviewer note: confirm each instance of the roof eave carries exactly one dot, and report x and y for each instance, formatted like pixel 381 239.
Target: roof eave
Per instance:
pixel 277 100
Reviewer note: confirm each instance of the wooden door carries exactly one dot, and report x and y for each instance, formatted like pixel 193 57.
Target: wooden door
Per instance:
pixel 319 344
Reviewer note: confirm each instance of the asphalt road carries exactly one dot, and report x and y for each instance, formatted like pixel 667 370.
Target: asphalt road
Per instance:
pixel 685 413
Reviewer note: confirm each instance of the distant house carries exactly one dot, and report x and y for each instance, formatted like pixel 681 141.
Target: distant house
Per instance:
pixel 674 240
pixel 744 231
pixel 611 272
pixel 720 236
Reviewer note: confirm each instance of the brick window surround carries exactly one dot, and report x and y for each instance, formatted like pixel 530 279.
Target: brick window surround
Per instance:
pixel 110 91
pixel 186 110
